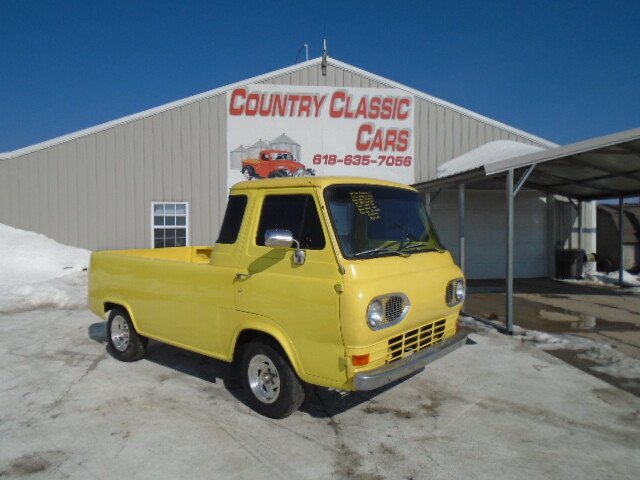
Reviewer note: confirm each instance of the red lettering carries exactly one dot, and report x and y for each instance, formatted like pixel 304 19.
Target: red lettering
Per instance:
pixel 404 136
pixel 293 100
pixel 370 138
pixel 238 93
pixel 251 106
pixel 390 140
pixel 387 108
pixel 377 140
pixel 374 108
pixel 279 106
pixel 336 106
pixel 318 101
pixel 363 138
pixel 348 113
pixel 265 109
pixel 361 111
pixel 305 105
pixel 404 113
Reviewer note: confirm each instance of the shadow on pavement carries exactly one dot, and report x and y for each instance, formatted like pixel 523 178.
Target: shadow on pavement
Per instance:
pixel 319 402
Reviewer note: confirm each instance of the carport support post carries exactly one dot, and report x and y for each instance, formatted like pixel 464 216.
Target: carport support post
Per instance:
pixel 509 305
pixel 461 222
pixel 580 240
pixel 621 239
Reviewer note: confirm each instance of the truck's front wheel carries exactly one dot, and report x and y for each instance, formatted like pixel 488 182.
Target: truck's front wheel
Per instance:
pixel 272 387
pixel 126 345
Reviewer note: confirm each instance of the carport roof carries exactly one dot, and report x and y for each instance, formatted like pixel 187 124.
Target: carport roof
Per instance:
pixel 603 167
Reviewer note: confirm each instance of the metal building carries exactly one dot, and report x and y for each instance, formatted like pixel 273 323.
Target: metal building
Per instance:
pixel 101 188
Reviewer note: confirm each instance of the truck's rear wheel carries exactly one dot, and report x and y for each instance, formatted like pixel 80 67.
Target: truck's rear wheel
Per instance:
pixel 272 387
pixel 126 345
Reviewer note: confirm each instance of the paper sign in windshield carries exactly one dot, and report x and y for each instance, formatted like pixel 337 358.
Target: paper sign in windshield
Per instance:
pixel 365 204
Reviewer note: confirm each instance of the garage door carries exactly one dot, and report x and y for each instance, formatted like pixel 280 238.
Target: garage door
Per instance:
pixel 485 231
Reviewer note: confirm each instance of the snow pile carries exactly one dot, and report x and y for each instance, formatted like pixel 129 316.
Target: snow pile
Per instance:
pixel 607 359
pixel 67 292
pixel 37 272
pixel 628 279
pixel 491 152
pixel 611 278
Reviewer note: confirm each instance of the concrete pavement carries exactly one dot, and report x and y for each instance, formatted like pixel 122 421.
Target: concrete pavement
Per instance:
pixel 494 409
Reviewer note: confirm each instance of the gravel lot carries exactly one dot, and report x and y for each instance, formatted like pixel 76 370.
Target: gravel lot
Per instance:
pixel 493 409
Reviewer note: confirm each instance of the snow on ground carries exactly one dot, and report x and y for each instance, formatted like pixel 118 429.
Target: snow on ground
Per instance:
pixel 38 272
pixel 607 359
pixel 488 153
pixel 600 278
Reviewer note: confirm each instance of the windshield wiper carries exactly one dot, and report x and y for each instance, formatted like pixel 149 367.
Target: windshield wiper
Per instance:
pixel 374 251
pixel 427 248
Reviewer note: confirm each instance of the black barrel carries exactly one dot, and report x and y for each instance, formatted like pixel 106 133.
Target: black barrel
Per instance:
pixel 569 263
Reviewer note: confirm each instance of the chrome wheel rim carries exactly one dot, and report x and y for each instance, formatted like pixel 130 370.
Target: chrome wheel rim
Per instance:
pixel 119 333
pixel 264 379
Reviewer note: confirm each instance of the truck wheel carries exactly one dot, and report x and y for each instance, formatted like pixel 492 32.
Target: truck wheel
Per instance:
pixel 126 345
pixel 249 173
pixel 272 387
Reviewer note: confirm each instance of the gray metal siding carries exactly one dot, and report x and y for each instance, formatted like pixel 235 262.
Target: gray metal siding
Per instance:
pixel 95 191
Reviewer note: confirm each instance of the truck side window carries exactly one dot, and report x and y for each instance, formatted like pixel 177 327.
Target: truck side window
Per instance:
pixel 296 213
pixel 232 219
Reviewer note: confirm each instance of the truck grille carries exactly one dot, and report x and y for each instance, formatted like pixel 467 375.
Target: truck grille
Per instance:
pixel 415 340
pixel 449 293
pixel 393 308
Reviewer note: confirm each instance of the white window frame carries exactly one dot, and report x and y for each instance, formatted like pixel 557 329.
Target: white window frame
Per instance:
pixel 164 227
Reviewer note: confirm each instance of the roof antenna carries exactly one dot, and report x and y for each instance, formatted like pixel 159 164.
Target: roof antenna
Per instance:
pixel 323 65
pixel 306 52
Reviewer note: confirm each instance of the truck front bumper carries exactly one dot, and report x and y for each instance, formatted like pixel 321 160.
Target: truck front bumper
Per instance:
pixel 401 368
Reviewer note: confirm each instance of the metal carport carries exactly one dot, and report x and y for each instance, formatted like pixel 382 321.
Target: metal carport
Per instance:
pixel 600 168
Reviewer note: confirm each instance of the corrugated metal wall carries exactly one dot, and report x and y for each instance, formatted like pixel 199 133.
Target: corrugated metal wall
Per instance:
pixel 96 191
pixel 441 132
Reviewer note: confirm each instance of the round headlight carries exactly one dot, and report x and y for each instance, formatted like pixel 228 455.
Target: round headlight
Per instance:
pixel 375 313
pixel 459 291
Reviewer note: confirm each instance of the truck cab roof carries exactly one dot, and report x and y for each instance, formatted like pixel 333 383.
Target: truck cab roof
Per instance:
pixel 318 182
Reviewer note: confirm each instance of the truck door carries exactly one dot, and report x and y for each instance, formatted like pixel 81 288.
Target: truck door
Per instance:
pixel 301 300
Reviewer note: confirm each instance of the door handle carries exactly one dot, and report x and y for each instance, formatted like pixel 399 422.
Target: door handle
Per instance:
pixel 243 276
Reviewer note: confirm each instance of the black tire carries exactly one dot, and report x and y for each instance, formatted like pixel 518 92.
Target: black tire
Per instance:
pixel 279 174
pixel 125 343
pixel 264 397
pixel 249 173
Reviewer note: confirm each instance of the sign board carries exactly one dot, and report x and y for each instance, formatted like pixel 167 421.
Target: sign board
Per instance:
pixel 277 130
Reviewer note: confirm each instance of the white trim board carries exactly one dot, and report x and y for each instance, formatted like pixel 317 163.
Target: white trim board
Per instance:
pixel 262 78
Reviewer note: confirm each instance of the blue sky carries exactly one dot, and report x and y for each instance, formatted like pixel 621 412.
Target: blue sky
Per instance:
pixel 565 71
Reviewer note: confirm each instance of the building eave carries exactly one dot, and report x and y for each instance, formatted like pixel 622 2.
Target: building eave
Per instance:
pixel 258 79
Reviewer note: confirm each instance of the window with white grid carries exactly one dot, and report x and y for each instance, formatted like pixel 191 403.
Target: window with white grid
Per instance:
pixel 169 224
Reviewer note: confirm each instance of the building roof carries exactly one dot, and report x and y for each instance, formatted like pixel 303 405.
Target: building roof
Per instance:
pixel 603 167
pixel 263 78
pixel 491 152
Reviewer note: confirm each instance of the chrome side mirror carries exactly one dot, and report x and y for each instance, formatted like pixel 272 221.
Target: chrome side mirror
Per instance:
pixel 277 238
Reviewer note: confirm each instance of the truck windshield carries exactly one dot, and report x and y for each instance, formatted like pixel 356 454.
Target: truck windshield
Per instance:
pixel 374 221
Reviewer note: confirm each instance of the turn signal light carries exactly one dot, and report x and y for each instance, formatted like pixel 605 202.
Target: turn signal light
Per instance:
pixel 360 360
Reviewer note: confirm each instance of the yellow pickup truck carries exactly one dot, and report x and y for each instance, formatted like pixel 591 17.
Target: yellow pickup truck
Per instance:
pixel 336 282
